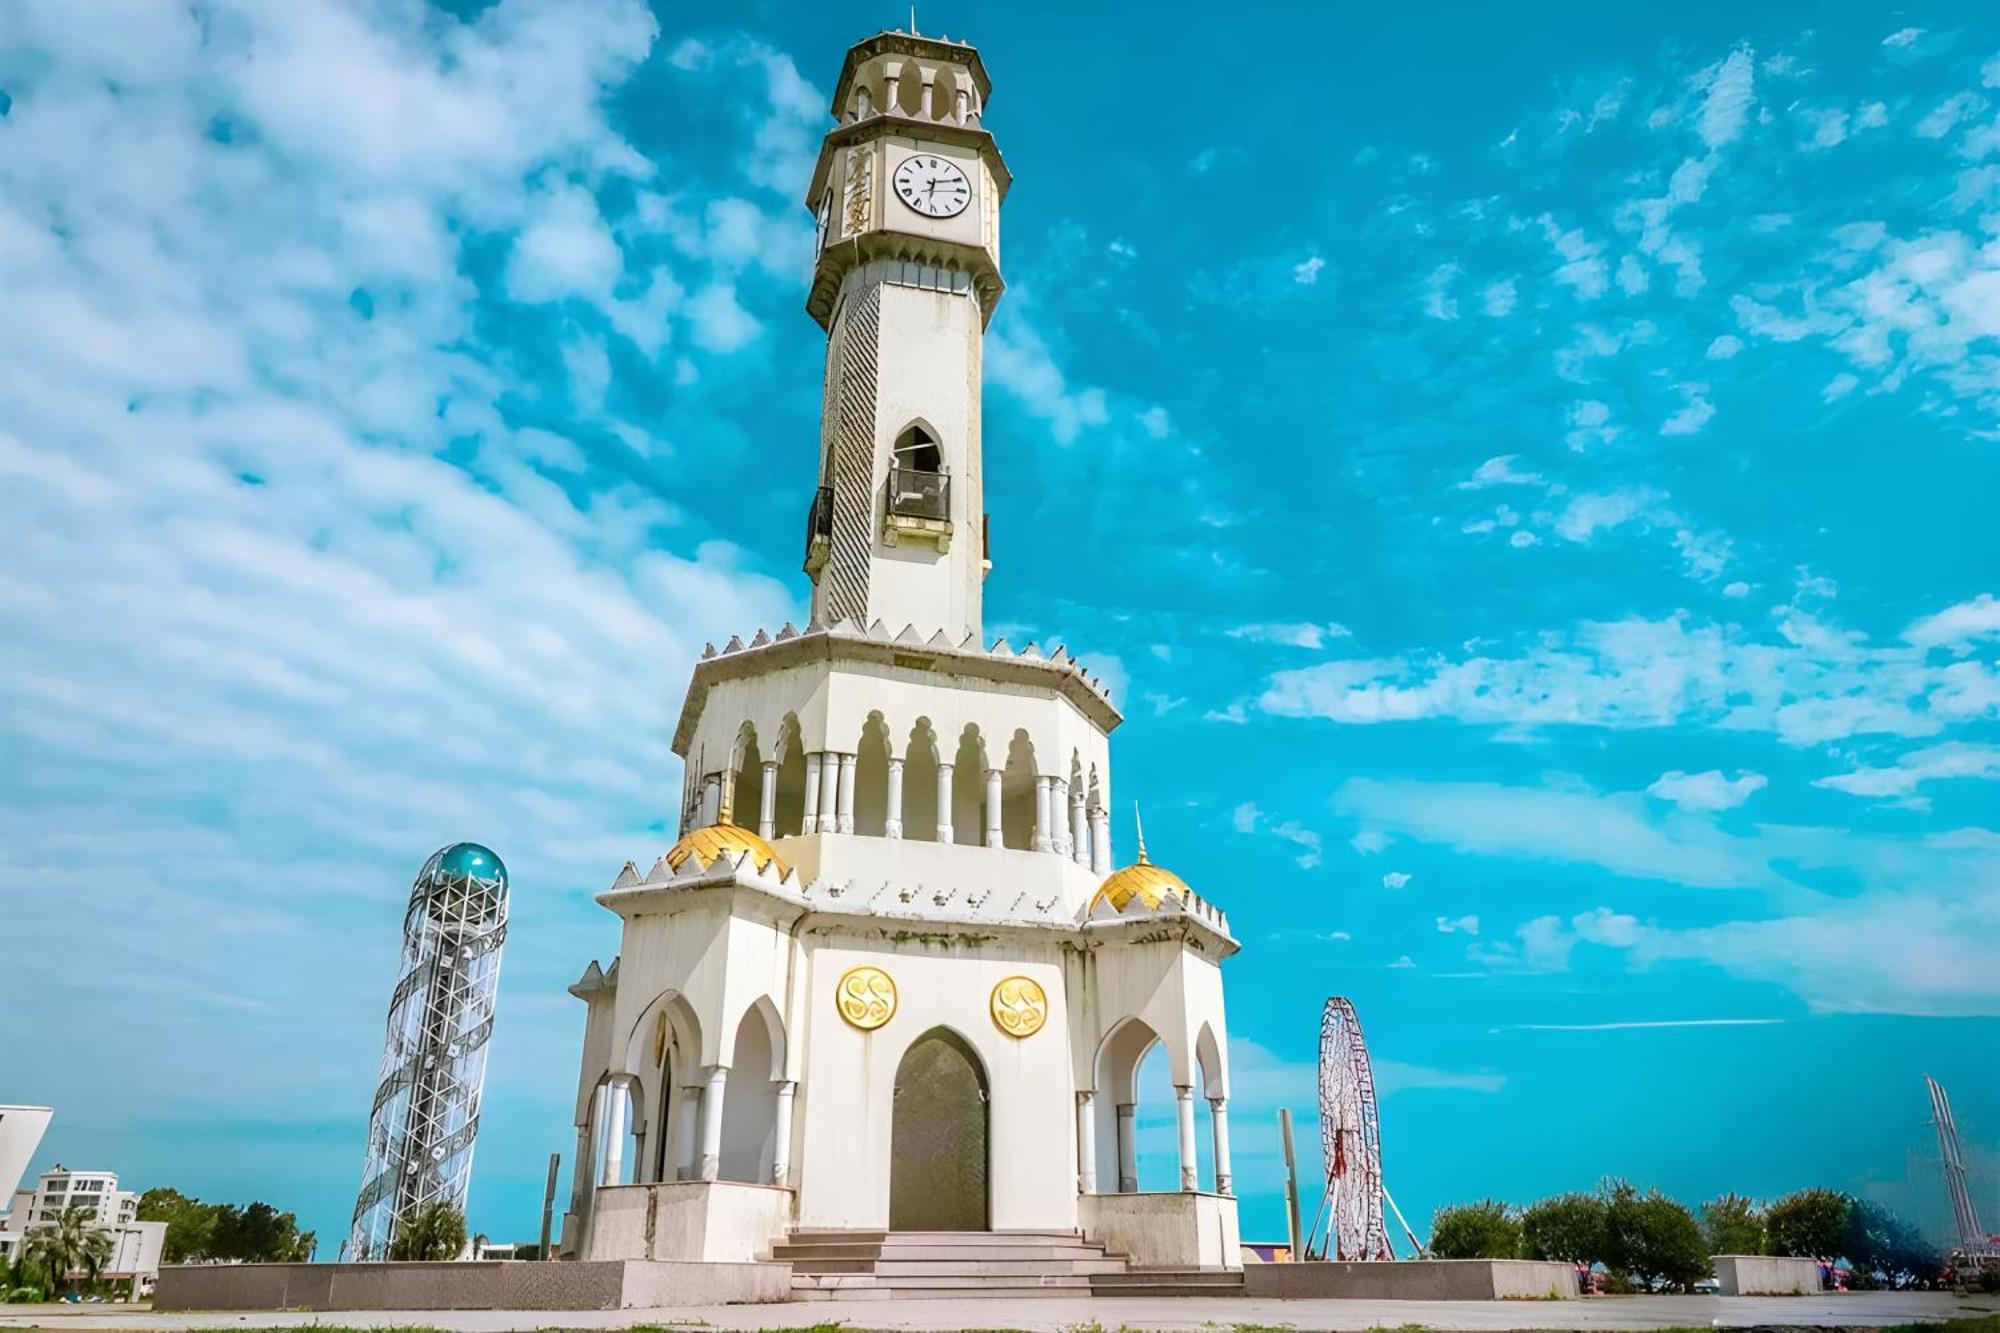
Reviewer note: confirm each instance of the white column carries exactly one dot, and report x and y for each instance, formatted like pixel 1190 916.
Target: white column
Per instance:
pixel 944 803
pixel 1079 827
pixel 845 819
pixel 1044 795
pixel 711 798
pixel 616 1100
pixel 810 824
pixel 711 1122
pixel 1100 842
pixel 1218 1119
pixel 1059 816
pixel 929 77
pixel 1128 1150
pixel 1086 1143
pixel 1184 1115
pixel 892 825
pixel 781 1152
pixel 829 792
pixel 993 807
pixel 767 802
pixel 684 1165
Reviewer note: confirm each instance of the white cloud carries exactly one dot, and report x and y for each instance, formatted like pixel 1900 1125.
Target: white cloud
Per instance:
pixel 1838 387
pixel 1706 791
pixel 1583 268
pixel 1632 279
pixel 1816 682
pixel 1498 298
pixel 1290 634
pixel 1522 539
pixel 1403 962
pixel 1247 818
pixel 1235 713
pixel 1729 96
pixel 1948 114
pixel 1902 36
pixel 1395 879
pixel 1499 471
pixel 1458 925
pixel 1695 411
pixel 1724 347
pixel 1736 589
pixel 1958 626
pixel 1306 272
pixel 1953 759
pixel 1439 303
pixel 1370 841
pixel 1587 513
pixel 1156 422
pixel 1019 361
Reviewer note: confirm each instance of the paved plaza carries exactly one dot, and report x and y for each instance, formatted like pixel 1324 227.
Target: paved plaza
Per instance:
pixel 1169 1314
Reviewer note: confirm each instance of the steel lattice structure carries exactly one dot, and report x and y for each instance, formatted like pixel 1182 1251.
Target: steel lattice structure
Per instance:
pixel 426 1113
pixel 1973 1242
pixel 1350 1136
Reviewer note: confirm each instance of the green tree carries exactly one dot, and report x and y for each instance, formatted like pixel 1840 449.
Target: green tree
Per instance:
pixel 1651 1238
pixel 1884 1248
pixel 254 1234
pixel 1568 1227
pixel 1732 1224
pixel 1483 1230
pixel 190 1223
pixel 1809 1224
pixel 434 1231
pixel 72 1243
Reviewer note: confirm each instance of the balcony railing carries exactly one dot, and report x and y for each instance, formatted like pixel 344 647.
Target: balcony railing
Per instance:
pixel 914 494
pixel 819 528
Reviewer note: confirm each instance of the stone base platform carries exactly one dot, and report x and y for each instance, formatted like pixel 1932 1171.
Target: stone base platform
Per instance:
pixel 1415 1280
pixel 1766 1275
pixel 484 1285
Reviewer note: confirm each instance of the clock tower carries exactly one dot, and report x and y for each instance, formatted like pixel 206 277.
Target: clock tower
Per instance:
pixel 907 194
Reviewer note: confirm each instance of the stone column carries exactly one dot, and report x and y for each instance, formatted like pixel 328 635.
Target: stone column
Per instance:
pixel 1100 842
pixel 615 1102
pixel 767 802
pixel 810 824
pixel 1059 816
pixel 1086 1143
pixel 829 792
pixel 929 77
pixel 781 1152
pixel 892 824
pixel 711 1122
pixel 944 803
pixel 1218 1118
pixel 993 807
pixel 1184 1116
pixel 846 820
pixel 1044 798
pixel 1128 1150
pixel 1079 827
pixel 686 1158
pixel 711 798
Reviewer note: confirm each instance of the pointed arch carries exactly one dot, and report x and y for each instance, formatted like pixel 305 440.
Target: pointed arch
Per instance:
pixel 871 778
pixel 790 813
pixel 968 789
pixel 920 775
pixel 743 792
pixel 939 1136
pixel 750 1105
pixel 1018 795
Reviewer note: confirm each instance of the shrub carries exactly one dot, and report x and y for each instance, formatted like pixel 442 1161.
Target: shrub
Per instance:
pixel 1652 1237
pixel 1568 1227
pixel 1483 1230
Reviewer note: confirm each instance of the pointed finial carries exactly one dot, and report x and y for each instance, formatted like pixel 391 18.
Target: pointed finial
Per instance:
pixel 1140 825
pixel 913 21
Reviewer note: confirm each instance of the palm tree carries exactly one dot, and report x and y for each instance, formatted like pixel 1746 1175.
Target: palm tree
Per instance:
pixel 433 1232
pixel 72 1242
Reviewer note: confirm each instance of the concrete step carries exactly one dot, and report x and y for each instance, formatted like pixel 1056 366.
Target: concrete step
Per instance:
pixel 1026 1268
pixel 1168 1282
pixel 814 1254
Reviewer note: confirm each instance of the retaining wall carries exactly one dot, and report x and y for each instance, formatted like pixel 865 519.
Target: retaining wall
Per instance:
pixel 1766 1275
pixel 1415 1280
pixel 487 1285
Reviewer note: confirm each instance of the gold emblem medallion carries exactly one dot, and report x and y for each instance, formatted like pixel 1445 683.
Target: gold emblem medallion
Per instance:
pixel 1020 1007
pixel 866 997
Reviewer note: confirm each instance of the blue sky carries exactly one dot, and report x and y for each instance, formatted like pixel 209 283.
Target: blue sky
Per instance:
pixel 1528 473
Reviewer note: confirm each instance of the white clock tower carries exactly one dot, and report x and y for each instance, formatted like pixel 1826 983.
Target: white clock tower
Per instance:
pixel 907 191
pixel 888 982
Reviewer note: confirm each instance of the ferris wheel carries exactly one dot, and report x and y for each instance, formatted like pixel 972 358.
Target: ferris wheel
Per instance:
pixel 1350 1135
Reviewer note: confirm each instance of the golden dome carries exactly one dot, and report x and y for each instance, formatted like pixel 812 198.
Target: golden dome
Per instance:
pixel 705 844
pixel 1150 884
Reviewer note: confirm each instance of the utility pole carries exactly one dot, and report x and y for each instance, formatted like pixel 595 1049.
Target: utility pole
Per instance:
pixel 549 1202
pixel 1291 1180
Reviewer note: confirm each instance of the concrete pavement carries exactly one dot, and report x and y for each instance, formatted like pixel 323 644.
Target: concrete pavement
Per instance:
pixel 1168 1314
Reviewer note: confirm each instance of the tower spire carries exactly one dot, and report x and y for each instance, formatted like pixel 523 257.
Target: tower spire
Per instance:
pixel 1140 825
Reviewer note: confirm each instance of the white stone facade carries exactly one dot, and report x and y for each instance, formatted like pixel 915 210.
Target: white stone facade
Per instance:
pixel 888 978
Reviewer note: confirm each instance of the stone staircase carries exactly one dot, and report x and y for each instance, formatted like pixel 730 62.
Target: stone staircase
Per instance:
pixel 957 1265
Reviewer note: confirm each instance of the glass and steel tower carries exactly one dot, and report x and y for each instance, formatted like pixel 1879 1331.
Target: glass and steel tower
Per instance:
pixel 426 1113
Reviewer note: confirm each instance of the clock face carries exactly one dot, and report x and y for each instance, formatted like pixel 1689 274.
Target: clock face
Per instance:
pixel 933 186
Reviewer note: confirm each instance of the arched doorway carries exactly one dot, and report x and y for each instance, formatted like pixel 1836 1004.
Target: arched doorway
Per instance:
pixel 937 1140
